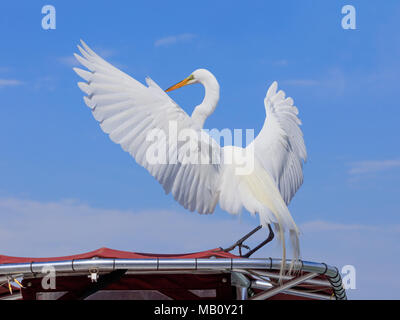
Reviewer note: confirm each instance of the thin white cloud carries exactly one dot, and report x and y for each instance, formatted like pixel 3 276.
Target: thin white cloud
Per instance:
pixel 281 63
pixel 320 226
pixel 301 82
pixel 333 80
pixel 44 83
pixel 10 82
pixel 174 39
pixel 65 227
pixel 363 167
pixel 69 61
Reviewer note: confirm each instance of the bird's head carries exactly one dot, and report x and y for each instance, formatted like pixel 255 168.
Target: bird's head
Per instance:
pixel 198 76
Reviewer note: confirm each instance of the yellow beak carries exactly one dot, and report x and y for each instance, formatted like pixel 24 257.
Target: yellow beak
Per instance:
pixel 180 84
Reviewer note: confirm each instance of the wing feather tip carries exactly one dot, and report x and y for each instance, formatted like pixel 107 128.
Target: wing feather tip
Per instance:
pixel 83 43
pixel 88 50
pixel 84 87
pixel 86 75
pixel 271 90
pixel 89 102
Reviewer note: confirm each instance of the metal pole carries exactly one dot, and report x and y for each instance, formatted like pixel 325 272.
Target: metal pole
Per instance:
pixel 287 285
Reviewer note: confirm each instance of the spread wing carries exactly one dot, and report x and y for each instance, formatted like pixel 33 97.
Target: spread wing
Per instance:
pixel 280 145
pixel 147 123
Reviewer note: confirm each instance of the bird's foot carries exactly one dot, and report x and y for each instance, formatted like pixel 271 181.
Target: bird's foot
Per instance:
pixel 238 244
pixel 241 245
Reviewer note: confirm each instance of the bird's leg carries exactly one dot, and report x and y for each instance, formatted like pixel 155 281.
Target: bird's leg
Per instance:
pixel 262 244
pixel 240 244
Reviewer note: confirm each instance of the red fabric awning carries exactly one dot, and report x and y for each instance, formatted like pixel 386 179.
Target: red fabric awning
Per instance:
pixel 118 254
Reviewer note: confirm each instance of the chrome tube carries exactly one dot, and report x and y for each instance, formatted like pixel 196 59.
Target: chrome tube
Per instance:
pixel 283 287
pixel 213 264
pixel 322 283
pixel 241 293
pixel 171 264
pixel 263 285
pixel 251 263
pixel 156 264
pixel 13 268
pixel 136 264
pixel 59 266
pixel 93 264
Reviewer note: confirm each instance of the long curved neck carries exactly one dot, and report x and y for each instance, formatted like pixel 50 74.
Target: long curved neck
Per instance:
pixel 210 101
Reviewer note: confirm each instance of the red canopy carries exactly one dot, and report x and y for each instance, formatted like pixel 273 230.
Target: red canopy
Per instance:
pixel 169 286
pixel 118 254
pixel 137 286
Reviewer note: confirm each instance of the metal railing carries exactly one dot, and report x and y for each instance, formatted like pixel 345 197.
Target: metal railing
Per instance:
pixel 256 271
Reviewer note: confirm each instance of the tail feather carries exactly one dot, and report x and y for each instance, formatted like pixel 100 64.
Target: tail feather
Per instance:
pixel 274 211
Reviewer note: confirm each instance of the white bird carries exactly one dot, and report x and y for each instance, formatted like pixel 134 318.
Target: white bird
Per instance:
pixel 129 112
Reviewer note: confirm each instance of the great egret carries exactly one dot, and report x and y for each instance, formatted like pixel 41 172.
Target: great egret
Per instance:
pixel 128 111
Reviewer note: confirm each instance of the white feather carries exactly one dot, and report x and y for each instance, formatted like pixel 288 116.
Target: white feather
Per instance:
pixel 128 110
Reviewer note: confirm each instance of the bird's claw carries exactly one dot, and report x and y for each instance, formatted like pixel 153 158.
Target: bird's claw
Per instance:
pixel 240 246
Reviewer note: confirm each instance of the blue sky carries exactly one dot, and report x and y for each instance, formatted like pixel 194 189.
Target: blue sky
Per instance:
pixel 61 175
